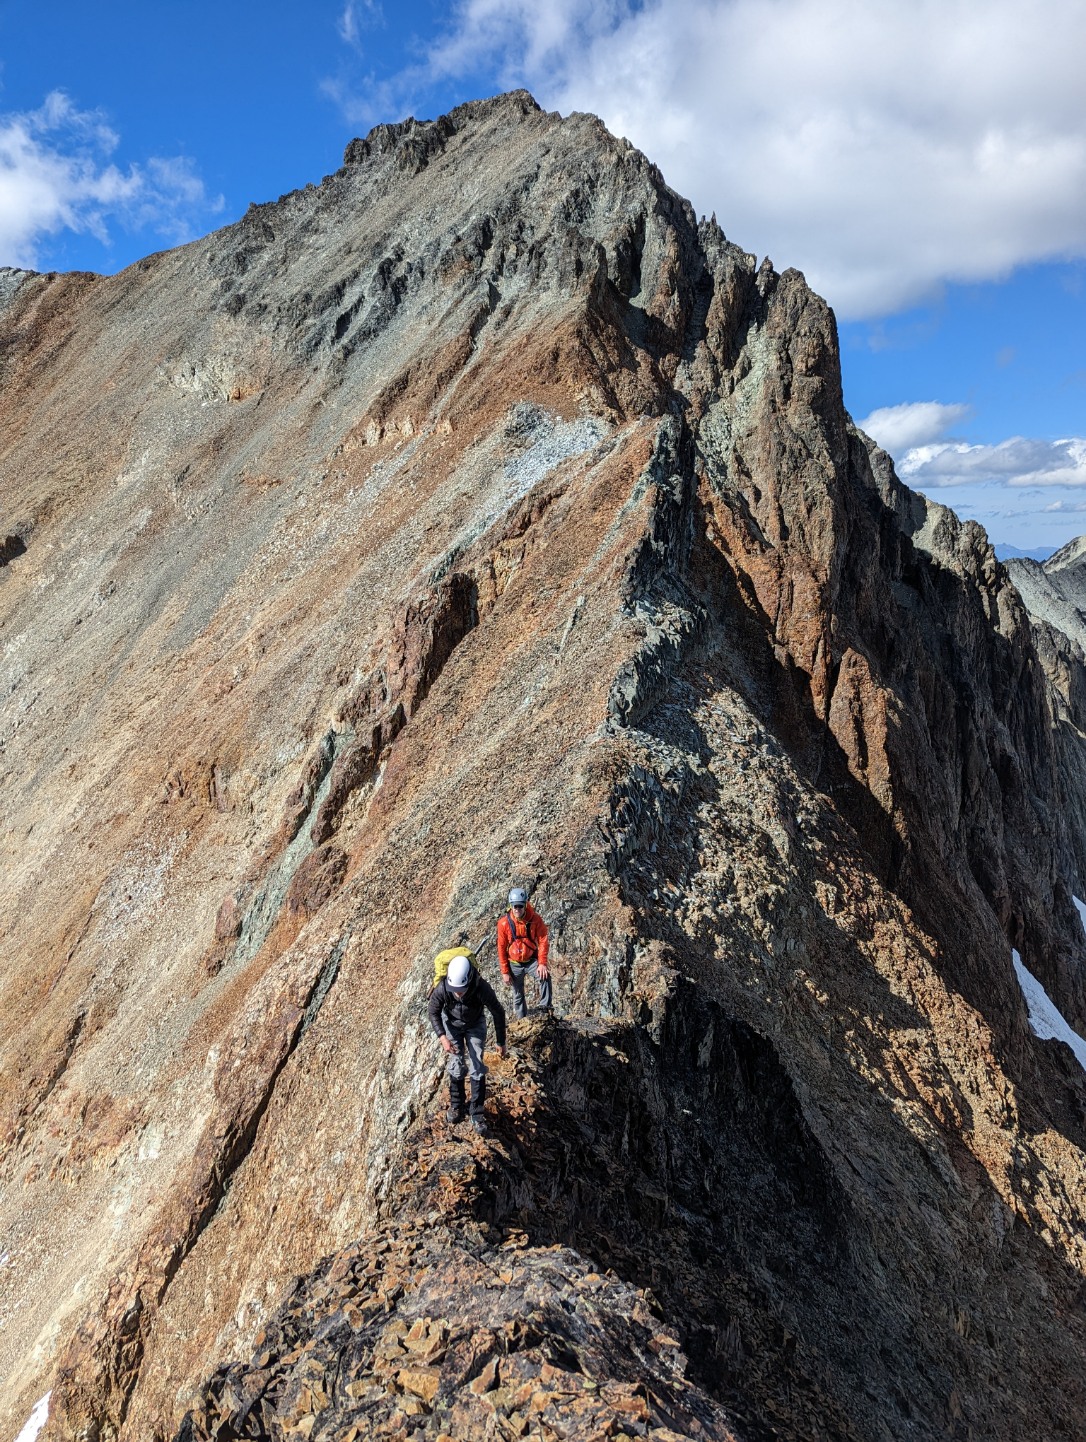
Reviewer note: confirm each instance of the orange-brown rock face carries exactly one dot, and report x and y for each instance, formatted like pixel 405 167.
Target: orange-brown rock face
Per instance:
pixel 479 517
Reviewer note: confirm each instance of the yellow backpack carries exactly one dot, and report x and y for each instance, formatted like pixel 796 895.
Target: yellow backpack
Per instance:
pixel 443 960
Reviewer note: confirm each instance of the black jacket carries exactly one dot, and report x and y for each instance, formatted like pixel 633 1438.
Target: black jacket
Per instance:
pixel 464 1011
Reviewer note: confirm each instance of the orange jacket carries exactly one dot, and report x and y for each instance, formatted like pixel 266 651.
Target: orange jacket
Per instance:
pixel 528 938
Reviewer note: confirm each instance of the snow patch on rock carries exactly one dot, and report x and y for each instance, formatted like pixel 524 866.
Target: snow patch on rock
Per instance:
pixel 1045 1019
pixel 36 1421
pixel 1080 907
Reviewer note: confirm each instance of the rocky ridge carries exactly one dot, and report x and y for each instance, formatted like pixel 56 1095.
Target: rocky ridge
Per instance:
pixel 431 1328
pixel 481 513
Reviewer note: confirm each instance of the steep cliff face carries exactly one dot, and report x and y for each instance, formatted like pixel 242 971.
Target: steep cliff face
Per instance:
pixel 1055 597
pixel 475 516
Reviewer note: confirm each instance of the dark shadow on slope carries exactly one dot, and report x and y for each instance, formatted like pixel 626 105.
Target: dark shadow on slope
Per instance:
pixel 881 1349
pixel 975 750
pixel 962 896
pixel 675 1152
pixel 11 548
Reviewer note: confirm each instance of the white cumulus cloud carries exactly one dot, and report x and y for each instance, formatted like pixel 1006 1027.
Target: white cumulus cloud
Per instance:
pixel 915 434
pixel 882 146
pixel 916 423
pixel 1014 462
pixel 56 174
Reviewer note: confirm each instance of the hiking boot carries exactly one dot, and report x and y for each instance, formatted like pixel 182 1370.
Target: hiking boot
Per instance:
pixel 457 1109
pixel 478 1104
pixel 455 1115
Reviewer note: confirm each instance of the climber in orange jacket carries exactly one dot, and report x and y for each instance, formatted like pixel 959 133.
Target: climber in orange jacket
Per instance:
pixel 523 945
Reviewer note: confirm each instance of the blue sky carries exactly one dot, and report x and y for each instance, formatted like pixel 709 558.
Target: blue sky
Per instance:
pixel 924 163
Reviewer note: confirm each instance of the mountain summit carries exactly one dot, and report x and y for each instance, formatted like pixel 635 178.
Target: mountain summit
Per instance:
pixel 479 517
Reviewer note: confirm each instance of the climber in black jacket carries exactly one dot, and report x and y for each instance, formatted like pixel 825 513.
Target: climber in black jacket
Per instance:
pixel 457 1014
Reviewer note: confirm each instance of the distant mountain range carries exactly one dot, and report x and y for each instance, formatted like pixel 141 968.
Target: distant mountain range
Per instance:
pixel 1005 552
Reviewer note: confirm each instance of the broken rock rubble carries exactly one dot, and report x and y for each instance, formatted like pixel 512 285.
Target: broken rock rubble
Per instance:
pixel 416 1332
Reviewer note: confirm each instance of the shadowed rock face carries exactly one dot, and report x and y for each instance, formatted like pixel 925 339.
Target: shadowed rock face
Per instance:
pixel 480 516
pixel 1055 597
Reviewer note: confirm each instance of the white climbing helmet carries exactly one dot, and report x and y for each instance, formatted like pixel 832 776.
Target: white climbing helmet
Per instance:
pixel 459 971
pixel 518 896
